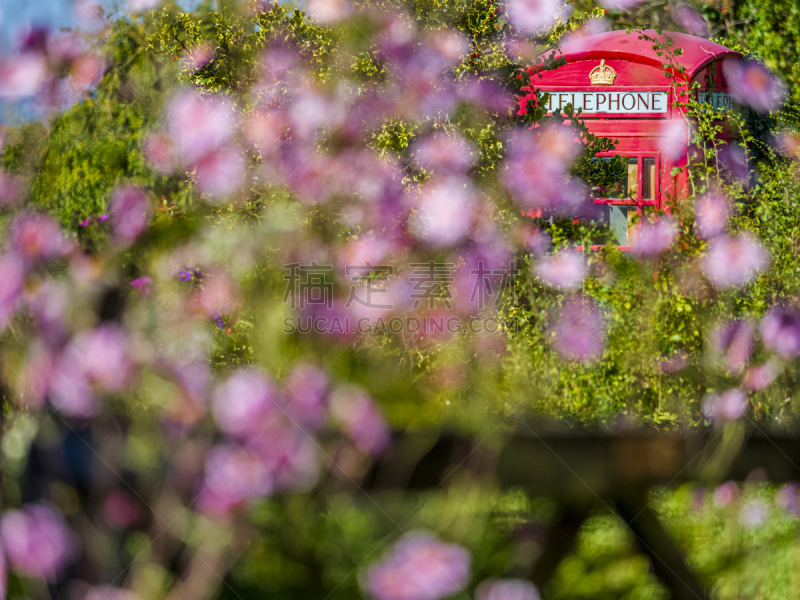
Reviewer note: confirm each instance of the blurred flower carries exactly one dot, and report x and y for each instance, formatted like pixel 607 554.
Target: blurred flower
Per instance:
pixel 143 5
pixel 109 593
pixel 753 513
pixel 198 57
pixel 328 12
pixel 733 262
pixel 22 75
pixel 221 172
pixel 445 212
pixel 12 274
pixel 579 332
pixel 444 154
pixel 35 237
pixel 674 138
pixel 531 16
pixel 656 237
pixel 199 124
pixel 307 393
pixel 733 160
pixel 780 330
pixel 232 476
pixel 726 494
pixel 244 404
pixel 86 72
pixel 734 339
pixel 577 39
pixel 121 509
pixel 290 457
pixel 88 14
pixel 263 130
pixel 485 94
pixel 507 589
pixel 567 269
pixel 729 405
pixel 37 541
pixel 619 4
pixel 361 418
pixel 419 567
pixel 130 212
pixel 788 499
pixel 752 83
pixel 160 152
pixel 761 376
pixel 711 214
pixel 689 19
pixel 142 284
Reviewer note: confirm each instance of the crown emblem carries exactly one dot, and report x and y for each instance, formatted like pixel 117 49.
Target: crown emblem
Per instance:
pixel 602 74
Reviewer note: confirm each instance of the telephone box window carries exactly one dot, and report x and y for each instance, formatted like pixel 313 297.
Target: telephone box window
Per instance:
pixel 648 178
pixel 625 188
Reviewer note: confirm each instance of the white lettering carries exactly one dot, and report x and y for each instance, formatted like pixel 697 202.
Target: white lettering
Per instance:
pixel 592 102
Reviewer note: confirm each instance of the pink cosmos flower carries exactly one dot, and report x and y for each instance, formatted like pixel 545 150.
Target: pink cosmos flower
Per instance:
pixel 780 330
pixel 485 94
pixel 245 403
pixel 263 130
pixel 290 457
pixel 579 332
pixel 307 395
pixel 690 20
pixel 729 405
pixel 734 339
pixel 444 154
pixel 733 262
pixel 361 418
pixel 567 269
pixel 726 494
pixel 445 212
pixel 199 124
pixel 656 237
pixel 160 152
pixel 711 214
pixel 221 172
pixel 507 589
pixel 233 475
pixel 37 237
pixel 530 16
pixel 12 274
pixel 419 567
pixel 142 284
pixel 86 72
pixel 88 14
pixel 328 12
pixel 760 377
pixel 674 139
pixel 130 214
pixel 752 83
pixel 620 4
pixel 23 75
pixel 37 541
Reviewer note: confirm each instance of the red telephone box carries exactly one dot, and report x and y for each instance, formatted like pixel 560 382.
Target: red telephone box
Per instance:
pixel 619 82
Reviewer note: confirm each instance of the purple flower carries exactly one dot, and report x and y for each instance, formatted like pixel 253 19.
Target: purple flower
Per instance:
pixel 760 377
pixel 12 274
pixel 729 405
pixel 674 139
pixel 419 567
pixel 361 418
pixel 780 330
pixel 753 513
pixel 443 154
pixel 186 275
pixel 507 589
pixel 220 172
pixel 160 152
pixel 530 16
pixel 199 124
pixel 726 494
pixel 711 214
pixel 445 212
pixel 735 340
pixel 567 269
pixel 788 499
pixel 86 222
pixel 102 218
pixel 142 284
pixel 232 476
pixel 290 457
pixel 23 75
pixel 198 57
pixel 244 405
pixel 37 541
pixel 752 83
pixel 620 4
pixel 655 238
pixel 130 214
pixel 690 20
pixel 733 262
pixel 37 237
pixel 579 332
pixel 307 392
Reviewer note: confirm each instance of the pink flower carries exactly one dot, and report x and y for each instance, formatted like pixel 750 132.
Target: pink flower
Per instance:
pixel 760 377
pixel 86 72
pixel 198 57
pixel 444 154
pixel 327 12
pixel 780 330
pixel 752 83
pixel 674 139
pixel 690 20
pixel 619 4
pixel 419 567
pixel 37 541
pixel 130 214
pixel 264 130
pixel 232 476
pixel 199 124
pixel 711 214
pixel 735 340
pixel 361 418
pixel 12 274
pixel 567 269
pixel 733 262
pixel 753 513
pixel 788 499
pixel 121 509
pixel 307 392
pixel 445 212
pixel 290 457
pixel 579 332
pixel 88 14
pixel 23 75
pixel 507 589
pixel 729 405
pixel 530 16
pixel 655 238
pixel 35 237
pixel 726 494
pixel 143 5
pixel 160 152
pixel 244 404
pixel 221 172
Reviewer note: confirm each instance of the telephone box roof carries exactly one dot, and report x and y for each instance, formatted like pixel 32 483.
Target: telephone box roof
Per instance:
pixel 621 45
